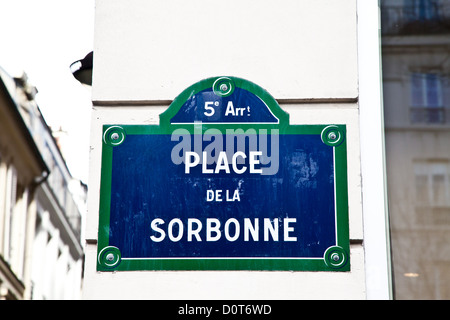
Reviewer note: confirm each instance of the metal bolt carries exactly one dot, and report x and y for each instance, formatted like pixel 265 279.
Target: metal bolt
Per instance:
pixel 110 257
pixel 223 87
pixel 332 136
pixel 115 136
pixel 335 257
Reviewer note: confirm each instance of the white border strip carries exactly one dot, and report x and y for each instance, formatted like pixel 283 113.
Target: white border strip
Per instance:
pixel 225 258
pixel 375 213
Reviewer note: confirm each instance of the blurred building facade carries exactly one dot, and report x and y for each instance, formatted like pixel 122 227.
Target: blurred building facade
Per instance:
pixel 41 205
pixel 416 89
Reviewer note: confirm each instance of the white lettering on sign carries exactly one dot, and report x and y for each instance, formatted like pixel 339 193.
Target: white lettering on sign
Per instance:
pixel 233 229
pixel 210 110
pixel 193 159
pixel 236 151
pixel 219 196
pixel 235 111
pixel 230 110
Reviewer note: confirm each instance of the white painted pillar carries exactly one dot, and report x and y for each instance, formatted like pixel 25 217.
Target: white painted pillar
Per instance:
pixel 51 258
pixel 61 281
pixel 375 212
pixel 3 174
pixel 307 59
pixel 11 185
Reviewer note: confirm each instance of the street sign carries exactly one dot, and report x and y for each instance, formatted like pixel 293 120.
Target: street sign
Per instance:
pixel 224 182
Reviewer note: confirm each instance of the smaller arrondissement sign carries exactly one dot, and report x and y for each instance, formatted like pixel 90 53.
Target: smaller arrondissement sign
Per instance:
pixel 224 182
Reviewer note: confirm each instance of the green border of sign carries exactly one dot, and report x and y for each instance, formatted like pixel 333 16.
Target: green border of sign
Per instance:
pixel 336 258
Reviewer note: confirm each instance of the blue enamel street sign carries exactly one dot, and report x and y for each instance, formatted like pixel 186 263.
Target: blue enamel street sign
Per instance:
pixel 224 182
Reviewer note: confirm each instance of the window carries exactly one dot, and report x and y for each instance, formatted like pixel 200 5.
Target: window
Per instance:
pixel 432 192
pixel 426 98
pixel 414 17
pixel 421 10
pixel 432 182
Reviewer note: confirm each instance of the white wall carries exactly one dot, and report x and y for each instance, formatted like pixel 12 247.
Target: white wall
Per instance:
pixel 295 49
pixel 302 52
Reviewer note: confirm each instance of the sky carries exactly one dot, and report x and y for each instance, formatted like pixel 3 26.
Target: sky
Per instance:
pixel 42 38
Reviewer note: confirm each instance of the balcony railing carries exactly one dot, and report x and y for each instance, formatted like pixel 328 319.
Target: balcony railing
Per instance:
pixel 432 18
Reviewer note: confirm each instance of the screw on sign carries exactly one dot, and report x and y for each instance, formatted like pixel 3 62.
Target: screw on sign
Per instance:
pixel 115 136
